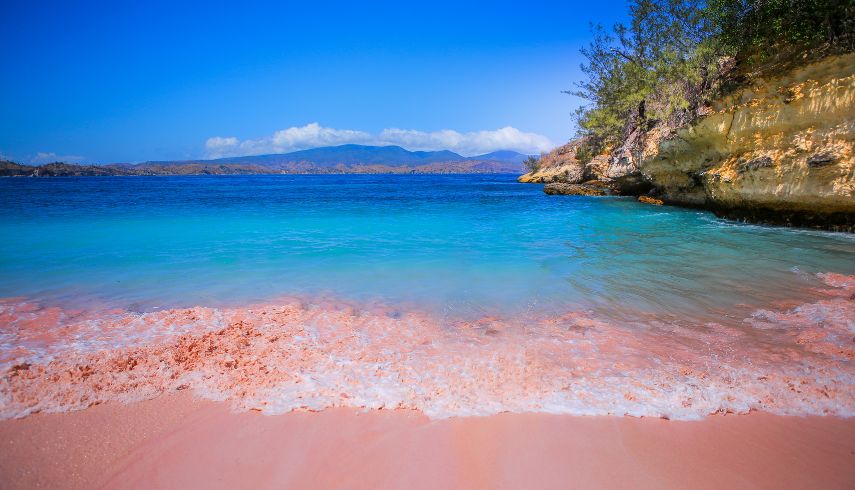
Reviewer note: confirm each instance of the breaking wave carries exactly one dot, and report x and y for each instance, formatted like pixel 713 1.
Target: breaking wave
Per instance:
pixel 295 354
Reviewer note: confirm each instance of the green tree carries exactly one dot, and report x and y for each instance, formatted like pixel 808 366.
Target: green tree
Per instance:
pixel 532 163
pixel 644 70
pixel 668 59
pixel 756 30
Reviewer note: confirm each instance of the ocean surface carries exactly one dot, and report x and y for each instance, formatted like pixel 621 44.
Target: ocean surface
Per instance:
pixel 528 290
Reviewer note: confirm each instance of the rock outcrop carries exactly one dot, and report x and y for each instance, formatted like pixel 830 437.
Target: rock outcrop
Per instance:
pixel 562 165
pixel 623 164
pixel 559 165
pixel 651 200
pixel 779 151
pixel 590 188
pixel 618 169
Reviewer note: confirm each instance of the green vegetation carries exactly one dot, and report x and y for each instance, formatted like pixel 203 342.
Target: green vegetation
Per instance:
pixel 584 153
pixel 760 29
pixel 676 54
pixel 532 164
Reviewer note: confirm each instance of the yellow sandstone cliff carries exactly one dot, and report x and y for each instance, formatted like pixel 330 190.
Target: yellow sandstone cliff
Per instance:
pixel 778 151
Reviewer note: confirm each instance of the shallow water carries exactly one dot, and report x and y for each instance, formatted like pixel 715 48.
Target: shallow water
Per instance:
pixel 455 295
pixel 452 242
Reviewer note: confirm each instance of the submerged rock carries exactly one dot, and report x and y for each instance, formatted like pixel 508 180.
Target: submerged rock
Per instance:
pixel 576 189
pixel 650 200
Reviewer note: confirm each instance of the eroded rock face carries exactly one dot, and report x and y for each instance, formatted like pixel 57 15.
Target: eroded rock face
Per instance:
pixel 622 165
pixel 618 169
pixel 780 151
pixel 559 165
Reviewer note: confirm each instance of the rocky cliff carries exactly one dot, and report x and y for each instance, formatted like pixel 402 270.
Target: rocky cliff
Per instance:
pixel 559 165
pixel 779 150
pixel 564 172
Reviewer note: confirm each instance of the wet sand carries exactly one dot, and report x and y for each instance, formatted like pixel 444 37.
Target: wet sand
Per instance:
pixel 177 441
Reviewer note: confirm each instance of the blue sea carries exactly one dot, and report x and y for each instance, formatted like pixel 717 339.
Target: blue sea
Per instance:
pixel 454 295
pixel 466 243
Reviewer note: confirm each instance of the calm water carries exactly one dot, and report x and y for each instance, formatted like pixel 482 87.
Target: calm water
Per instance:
pixel 459 243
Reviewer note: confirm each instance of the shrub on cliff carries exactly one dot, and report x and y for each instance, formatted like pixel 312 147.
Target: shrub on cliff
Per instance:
pixel 762 28
pixel 532 164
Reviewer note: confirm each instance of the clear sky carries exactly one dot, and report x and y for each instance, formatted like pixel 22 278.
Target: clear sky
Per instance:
pixel 133 81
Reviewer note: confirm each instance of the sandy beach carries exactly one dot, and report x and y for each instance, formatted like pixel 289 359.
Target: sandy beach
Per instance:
pixel 428 245
pixel 298 382
pixel 177 441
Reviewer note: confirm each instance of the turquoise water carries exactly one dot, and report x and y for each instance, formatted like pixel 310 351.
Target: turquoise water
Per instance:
pixel 453 295
pixel 460 244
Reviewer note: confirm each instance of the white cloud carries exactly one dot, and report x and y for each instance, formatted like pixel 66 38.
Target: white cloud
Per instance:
pixel 216 143
pixel 314 135
pixel 50 157
pixel 473 143
pixel 285 140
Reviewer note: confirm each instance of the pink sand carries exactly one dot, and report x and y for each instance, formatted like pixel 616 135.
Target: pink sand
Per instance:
pixel 177 441
pixel 292 355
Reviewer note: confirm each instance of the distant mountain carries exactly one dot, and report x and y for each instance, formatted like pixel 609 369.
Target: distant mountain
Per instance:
pixel 325 160
pixel 350 155
pixel 501 156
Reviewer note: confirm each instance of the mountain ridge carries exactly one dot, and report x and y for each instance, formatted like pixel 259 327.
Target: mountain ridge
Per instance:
pixel 353 154
pixel 340 159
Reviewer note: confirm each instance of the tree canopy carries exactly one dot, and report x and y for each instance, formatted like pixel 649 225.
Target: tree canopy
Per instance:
pixel 673 54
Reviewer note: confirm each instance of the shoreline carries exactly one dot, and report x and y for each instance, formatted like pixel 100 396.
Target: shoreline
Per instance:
pixel 177 440
pixel 792 359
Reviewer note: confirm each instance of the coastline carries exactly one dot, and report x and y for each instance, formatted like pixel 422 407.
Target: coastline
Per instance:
pixel 337 391
pixel 176 440
pixel 279 246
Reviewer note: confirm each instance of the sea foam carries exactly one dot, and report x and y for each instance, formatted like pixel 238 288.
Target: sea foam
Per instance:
pixel 295 354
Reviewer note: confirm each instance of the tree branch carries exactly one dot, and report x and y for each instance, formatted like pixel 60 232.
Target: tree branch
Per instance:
pixel 628 57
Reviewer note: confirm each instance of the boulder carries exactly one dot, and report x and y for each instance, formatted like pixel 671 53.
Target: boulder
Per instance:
pixel 650 200
pixel 561 188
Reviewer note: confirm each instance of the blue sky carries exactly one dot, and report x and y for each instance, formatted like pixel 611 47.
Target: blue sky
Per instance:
pixel 103 82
